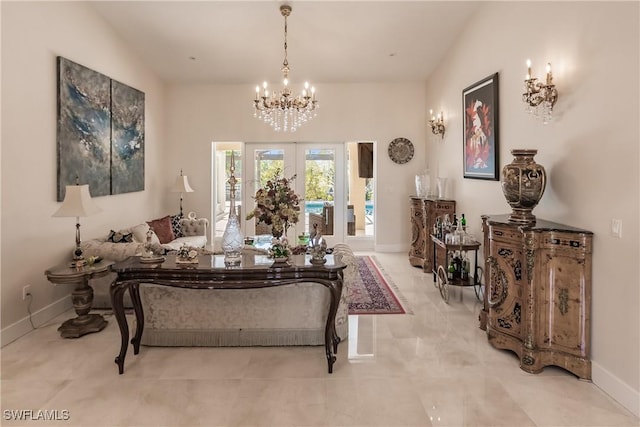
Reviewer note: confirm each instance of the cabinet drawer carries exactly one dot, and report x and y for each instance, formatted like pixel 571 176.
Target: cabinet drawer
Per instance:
pixel 505 233
pixel 573 242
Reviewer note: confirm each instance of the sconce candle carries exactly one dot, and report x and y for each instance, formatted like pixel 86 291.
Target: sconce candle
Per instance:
pixel 437 124
pixel 540 97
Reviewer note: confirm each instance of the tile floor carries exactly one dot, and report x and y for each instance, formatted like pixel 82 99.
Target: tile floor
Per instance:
pixel 431 368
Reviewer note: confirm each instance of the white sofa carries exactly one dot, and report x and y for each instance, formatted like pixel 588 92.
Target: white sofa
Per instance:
pixel 286 315
pixel 193 232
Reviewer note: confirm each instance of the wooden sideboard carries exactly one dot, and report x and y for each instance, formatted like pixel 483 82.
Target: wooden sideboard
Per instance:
pixel 537 301
pixel 423 217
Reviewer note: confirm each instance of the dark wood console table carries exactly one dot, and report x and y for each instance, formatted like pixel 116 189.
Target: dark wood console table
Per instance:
pixel 255 271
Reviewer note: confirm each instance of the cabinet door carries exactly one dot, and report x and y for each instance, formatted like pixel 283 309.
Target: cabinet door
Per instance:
pixel 417 252
pixel 506 281
pixel 562 274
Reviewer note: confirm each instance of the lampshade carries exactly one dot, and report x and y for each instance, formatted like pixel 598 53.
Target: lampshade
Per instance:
pixel 181 185
pixel 77 202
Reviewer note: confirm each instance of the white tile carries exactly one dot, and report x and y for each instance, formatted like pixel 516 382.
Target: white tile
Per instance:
pixel 432 367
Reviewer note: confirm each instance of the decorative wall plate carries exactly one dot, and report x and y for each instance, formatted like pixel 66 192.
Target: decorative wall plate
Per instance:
pixel 400 150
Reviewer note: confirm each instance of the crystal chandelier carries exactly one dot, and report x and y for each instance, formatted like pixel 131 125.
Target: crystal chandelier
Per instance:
pixel 281 110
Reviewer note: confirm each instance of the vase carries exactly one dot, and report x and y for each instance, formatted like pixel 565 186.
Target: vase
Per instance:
pixel 442 187
pixel 232 239
pixel 523 184
pixel 281 259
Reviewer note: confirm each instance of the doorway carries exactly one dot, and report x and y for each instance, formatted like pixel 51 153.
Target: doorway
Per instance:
pixel 338 201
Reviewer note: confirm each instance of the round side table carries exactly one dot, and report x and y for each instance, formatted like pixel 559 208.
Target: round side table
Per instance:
pixel 82 296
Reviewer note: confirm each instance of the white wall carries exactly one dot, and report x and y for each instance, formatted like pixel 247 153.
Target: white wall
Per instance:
pixel 198 115
pixel 33 34
pixel 590 150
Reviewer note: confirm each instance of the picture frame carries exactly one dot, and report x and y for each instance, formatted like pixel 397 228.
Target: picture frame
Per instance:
pixel 480 135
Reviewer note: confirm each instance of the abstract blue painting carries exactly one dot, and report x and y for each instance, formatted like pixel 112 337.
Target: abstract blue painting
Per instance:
pixel 100 132
pixel 127 139
pixel 84 128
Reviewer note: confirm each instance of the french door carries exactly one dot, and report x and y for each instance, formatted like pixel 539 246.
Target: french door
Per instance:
pixel 320 172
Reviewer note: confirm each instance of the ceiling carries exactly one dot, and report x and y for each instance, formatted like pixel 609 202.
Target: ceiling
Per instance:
pixel 240 42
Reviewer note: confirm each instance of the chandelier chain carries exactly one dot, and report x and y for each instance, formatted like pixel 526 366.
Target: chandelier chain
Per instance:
pixel 285 63
pixel 281 109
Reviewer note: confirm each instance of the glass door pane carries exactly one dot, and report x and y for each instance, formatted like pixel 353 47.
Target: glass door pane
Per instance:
pixel 361 203
pixel 264 162
pixel 319 190
pixel 221 194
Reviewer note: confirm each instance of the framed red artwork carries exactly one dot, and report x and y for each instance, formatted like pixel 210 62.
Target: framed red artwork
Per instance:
pixel 480 111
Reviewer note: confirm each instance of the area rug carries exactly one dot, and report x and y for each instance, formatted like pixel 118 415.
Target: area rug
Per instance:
pixel 373 292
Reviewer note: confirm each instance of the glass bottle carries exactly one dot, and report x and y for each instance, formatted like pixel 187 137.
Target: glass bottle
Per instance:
pixel 232 239
pixel 451 270
pixel 465 267
pixel 458 235
pixel 446 224
pixel 463 221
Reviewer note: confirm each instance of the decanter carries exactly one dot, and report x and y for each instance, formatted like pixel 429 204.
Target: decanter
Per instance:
pixel 232 239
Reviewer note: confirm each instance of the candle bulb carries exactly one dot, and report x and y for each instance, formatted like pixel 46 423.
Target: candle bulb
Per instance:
pixel 548 73
pixel 528 69
pixel 257 93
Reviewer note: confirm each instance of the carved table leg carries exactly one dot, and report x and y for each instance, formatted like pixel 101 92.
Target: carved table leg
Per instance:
pixel 117 302
pixel 134 292
pixel 85 323
pixel 330 336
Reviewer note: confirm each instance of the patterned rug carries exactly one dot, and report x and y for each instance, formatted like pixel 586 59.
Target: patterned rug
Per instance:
pixel 373 292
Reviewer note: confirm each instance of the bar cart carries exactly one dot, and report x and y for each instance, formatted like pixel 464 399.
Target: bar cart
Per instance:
pixel 443 254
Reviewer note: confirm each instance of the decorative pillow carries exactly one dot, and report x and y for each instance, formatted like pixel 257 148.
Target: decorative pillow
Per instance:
pixel 140 234
pixel 162 227
pixel 176 226
pixel 121 236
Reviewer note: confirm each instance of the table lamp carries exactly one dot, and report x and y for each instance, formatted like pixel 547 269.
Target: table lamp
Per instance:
pixel 181 186
pixel 77 202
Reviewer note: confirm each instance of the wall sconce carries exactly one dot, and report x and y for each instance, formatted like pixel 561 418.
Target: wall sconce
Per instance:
pixel 437 124
pixel 540 97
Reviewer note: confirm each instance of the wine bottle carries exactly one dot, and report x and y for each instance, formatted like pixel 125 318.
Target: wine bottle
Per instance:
pixel 463 221
pixel 451 271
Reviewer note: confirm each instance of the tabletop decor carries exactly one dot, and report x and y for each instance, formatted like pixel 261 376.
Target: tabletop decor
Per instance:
pixel 277 205
pixel 186 255
pixel 280 251
pixel 232 238
pixel 77 203
pixel 480 112
pixel 523 184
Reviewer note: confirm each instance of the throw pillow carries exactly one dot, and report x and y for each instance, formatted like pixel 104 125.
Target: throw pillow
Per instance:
pixel 162 227
pixel 140 234
pixel 120 236
pixel 176 226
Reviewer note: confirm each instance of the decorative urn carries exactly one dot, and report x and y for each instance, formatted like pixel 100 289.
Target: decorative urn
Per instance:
pixel 523 184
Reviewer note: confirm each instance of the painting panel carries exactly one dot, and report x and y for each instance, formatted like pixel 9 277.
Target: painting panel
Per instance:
pixel 83 128
pixel 480 111
pixel 127 139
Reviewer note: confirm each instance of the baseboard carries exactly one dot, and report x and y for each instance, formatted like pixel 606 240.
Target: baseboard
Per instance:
pixel 40 317
pixel 399 247
pixel 616 388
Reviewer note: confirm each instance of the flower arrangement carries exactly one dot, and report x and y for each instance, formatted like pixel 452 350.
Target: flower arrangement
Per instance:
pixel 277 205
pixel 279 249
pixel 187 254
